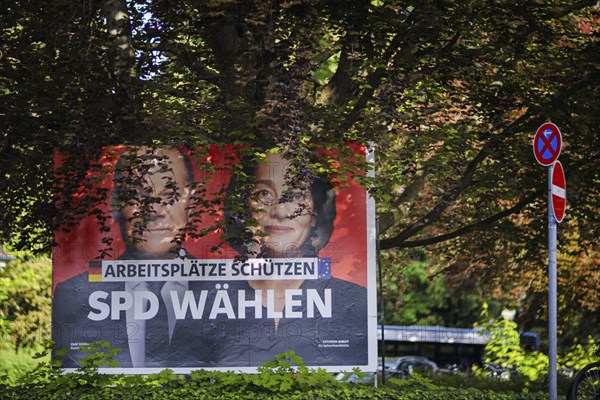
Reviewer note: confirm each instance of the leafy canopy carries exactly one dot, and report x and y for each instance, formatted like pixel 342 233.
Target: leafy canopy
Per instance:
pixel 448 92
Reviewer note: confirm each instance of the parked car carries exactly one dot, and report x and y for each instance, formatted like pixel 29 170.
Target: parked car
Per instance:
pixel 407 365
pixel 352 377
pixel 400 368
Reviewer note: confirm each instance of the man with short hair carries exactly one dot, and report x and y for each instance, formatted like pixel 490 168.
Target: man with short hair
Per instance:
pixel 151 196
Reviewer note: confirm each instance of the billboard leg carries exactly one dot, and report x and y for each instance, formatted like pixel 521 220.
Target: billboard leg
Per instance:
pixel 381 307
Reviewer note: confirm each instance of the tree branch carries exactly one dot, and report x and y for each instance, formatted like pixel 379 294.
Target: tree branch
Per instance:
pixel 394 53
pixel 385 244
pixel 559 13
pixel 374 79
pixel 555 14
pixel 191 59
pixel 466 179
pixel 119 29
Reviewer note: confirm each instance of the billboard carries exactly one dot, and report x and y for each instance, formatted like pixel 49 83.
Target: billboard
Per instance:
pixel 201 259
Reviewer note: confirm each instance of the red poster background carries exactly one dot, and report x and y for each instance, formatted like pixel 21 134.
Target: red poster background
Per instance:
pixel 347 246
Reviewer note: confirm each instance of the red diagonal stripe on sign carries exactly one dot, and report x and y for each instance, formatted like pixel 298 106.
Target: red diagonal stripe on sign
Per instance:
pixel 547 142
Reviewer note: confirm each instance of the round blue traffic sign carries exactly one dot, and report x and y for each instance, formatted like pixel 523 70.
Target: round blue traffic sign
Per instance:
pixel 547 144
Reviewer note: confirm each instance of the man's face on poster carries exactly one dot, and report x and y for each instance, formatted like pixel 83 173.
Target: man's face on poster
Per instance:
pixel 152 223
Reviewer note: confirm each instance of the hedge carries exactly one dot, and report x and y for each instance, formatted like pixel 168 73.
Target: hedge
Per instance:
pixel 283 378
pixel 341 391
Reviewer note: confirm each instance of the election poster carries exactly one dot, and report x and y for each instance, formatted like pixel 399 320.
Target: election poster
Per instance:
pixel 203 259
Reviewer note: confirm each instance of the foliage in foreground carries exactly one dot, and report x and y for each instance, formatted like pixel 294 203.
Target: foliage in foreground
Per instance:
pixel 285 377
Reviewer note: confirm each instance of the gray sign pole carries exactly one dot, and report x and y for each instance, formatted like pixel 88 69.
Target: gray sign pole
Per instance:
pixel 552 291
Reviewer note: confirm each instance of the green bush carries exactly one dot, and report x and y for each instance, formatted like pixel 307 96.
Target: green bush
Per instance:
pixel 579 355
pixel 504 349
pixel 25 302
pixel 286 377
pixel 531 367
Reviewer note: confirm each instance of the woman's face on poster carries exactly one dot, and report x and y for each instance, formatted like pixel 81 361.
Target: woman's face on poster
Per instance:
pixel 284 215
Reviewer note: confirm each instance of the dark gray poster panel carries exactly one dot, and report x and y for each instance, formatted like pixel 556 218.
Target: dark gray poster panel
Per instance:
pixel 171 290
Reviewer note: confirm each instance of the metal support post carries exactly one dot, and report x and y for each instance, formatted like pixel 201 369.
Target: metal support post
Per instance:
pixel 552 292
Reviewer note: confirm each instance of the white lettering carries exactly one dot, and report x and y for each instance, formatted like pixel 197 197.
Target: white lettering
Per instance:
pixel 222 305
pixel 120 301
pixel 271 313
pixel 140 298
pixel 188 302
pixel 324 306
pixel 95 303
pixel 290 303
pixel 243 303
